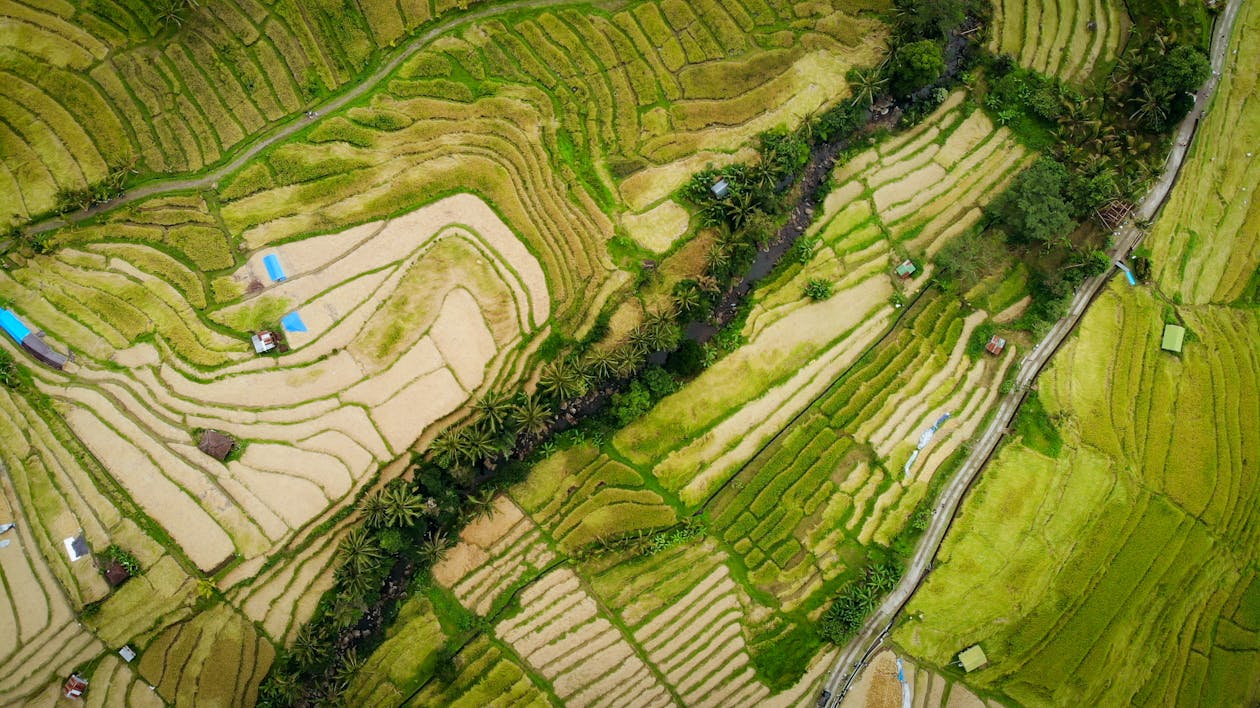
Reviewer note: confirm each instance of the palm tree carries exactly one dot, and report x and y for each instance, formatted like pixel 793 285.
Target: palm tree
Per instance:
pixel 740 207
pixel 808 129
pixel 719 258
pixel 532 415
pixel 434 546
pixel 1152 105
pixel 600 364
pixel 657 333
pixel 445 448
pixel 308 647
pixel 403 505
pixel 373 511
pixel 170 12
pixel 351 664
pixel 629 358
pixel 561 380
pixel 360 549
pixel 483 502
pixel 495 408
pixel 481 443
pixel 283 688
pixel 688 299
pixel 867 85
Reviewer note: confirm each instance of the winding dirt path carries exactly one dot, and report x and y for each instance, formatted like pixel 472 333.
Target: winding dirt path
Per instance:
pixel 859 651
pixel 294 123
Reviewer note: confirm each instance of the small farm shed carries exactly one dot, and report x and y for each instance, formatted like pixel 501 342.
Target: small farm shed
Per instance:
pixel 33 343
pixel 905 271
pixel 721 188
pixel 972 658
pixel 263 341
pixel 216 444
pixel 996 345
pixel 1174 337
pixel 74 686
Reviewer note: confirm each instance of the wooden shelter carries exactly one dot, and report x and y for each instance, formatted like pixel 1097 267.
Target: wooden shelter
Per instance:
pixel 216 444
pixel 906 270
pixel 1114 213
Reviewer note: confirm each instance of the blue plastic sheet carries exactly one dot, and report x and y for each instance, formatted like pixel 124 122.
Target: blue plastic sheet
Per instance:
pixel 273 267
pixel 11 324
pixel 293 322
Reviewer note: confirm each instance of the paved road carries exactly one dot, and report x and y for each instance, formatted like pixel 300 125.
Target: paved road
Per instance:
pixel 858 652
pixel 293 123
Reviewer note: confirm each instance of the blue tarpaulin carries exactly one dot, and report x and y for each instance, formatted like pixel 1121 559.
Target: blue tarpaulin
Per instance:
pixel 273 267
pixel 293 322
pixel 11 324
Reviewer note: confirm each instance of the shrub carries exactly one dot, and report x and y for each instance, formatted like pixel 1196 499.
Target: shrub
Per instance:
pixel 659 382
pixel 632 403
pixel 980 336
pixel 9 371
pixel 803 249
pixel 117 554
pixel 818 289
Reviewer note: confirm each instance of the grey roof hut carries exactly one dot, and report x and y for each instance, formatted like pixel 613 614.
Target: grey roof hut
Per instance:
pixel 216 444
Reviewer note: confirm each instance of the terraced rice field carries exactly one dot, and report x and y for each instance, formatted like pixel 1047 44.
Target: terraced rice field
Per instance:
pixel 1067 40
pixel 722 615
pixel 1153 491
pixel 388 351
pixel 431 235
pixel 215 658
pixel 1155 487
pixel 85 90
pixel 906 196
pixel 1216 194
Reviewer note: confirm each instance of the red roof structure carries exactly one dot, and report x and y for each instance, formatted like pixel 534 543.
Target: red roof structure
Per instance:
pixel 74 686
pixel 995 346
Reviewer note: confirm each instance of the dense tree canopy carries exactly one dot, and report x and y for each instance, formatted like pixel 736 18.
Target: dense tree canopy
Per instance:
pixel 929 18
pixel 917 65
pixel 1035 209
pixel 1184 69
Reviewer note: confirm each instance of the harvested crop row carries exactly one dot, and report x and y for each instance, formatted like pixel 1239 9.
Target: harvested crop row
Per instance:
pixel 561 634
pixel 494 553
pixel 1063 39
pixel 697 643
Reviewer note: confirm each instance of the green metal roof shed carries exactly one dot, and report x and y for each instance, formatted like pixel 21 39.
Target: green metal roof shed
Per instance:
pixel 972 658
pixel 1174 335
